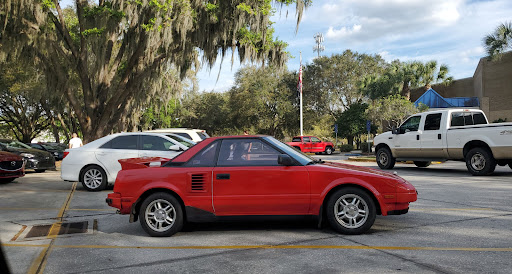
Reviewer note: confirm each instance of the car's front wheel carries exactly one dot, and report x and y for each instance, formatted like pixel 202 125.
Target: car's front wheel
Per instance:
pixel 328 150
pixel 422 163
pixel 161 215
pixel 94 178
pixel 480 161
pixel 385 159
pixel 351 211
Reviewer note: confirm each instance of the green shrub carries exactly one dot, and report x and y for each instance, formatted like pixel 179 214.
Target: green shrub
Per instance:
pixel 364 147
pixel 346 148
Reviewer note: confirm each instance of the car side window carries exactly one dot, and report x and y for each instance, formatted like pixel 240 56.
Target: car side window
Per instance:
pixel 204 158
pixel 412 124
pixel 183 134
pixel 155 143
pixel 479 119
pixel 457 119
pixel 247 152
pixel 315 140
pixel 306 139
pixel 433 121
pixel 124 142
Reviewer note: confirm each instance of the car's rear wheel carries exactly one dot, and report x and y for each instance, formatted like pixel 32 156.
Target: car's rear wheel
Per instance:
pixel 94 178
pixel 385 159
pixel 422 163
pixel 6 180
pixel 351 211
pixel 480 161
pixel 328 150
pixel 161 215
pixel 40 170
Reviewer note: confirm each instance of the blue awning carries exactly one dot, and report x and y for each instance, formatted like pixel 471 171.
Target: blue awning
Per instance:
pixel 433 100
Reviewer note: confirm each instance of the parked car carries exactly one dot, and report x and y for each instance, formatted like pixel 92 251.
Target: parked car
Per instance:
pixel 96 164
pixel 57 152
pixel 311 144
pixel 11 167
pixel 196 135
pixel 35 159
pixel 223 176
pixel 450 134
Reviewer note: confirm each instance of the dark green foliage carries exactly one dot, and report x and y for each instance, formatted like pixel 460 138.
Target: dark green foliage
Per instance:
pixel 364 147
pixel 346 148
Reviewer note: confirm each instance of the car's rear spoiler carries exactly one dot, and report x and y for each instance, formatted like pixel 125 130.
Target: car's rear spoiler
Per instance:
pixel 143 162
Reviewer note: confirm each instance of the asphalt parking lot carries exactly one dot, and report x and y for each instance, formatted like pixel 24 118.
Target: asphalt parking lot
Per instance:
pixel 460 224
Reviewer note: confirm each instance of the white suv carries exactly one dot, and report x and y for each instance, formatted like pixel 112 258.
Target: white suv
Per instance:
pixel 196 135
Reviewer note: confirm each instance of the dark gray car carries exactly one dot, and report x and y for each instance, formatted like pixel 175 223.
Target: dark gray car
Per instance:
pixel 35 159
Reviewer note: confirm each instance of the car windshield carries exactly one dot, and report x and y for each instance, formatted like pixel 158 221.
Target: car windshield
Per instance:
pixel 203 135
pixel 302 158
pixel 184 141
pixel 13 144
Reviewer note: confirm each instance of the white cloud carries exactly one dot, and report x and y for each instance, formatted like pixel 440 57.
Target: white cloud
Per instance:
pixel 342 32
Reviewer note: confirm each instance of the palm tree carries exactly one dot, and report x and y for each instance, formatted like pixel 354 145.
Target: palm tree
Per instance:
pixel 417 74
pixel 499 41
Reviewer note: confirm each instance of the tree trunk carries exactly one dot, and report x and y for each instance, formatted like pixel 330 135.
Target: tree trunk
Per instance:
pixel 406 90
pixel 350 140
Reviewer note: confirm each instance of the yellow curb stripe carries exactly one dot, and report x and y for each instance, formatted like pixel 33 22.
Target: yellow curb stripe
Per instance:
pixel 473 249
pixel 19 233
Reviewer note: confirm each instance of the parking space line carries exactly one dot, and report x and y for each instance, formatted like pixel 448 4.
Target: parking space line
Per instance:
pixel 39 264
pixel 360 247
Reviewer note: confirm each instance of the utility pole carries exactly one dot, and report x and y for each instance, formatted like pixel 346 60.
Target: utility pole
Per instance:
pixel 300 90
pixel 319 39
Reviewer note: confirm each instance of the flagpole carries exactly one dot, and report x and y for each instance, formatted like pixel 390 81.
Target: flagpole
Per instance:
pixel 300 90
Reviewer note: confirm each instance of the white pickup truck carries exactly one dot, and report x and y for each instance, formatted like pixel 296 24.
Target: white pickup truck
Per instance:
pixel 449 134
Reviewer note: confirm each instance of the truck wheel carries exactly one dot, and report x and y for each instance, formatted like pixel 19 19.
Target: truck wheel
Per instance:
pixel 161 215
pixel 351 211
pixel 328 150
pixel 422 163
pixel 94 178
pixel 385 159
pixel 297 148
pixel 480 161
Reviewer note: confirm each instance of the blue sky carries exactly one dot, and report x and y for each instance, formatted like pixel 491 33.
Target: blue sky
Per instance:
pixel 449 31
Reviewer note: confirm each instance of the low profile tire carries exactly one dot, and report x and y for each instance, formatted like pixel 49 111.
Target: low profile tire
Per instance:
pixel 351 211
pixel 328 150
pixel 40 170
pixel 161 215
pixel 6 180
pixel 94 178
pixel 385 159
pixel 480 161
pixel 422 163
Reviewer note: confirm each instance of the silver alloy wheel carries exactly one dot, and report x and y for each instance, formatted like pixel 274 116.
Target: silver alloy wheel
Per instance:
pixel 93 178
pixel 351 211
pixel 328 151
pixel 383 158
pixel 478 161
pixel 160 215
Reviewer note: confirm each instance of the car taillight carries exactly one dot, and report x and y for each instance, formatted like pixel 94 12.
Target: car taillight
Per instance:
pixel 65 154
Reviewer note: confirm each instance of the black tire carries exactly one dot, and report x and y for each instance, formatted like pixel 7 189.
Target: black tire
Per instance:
pixel 93 178
pixel 39 170
pixel 385 159
pixel 351 222
pixel 328 150
pixel 422 163
pixel 6 180
pixel 297 148
pixel 150 224
pixel 480 161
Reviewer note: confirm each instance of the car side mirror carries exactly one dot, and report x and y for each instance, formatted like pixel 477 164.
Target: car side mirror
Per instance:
pixel 394 130
pixel 175 148
pixel 284 160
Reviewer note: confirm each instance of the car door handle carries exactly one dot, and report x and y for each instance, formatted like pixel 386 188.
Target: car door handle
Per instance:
pixel 223 176
pixel 439 136
pixel 417 137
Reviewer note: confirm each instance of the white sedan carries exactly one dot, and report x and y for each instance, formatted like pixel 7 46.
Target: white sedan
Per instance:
pixel 96 164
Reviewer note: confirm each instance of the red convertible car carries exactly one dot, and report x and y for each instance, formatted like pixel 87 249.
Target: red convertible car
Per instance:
pixel 11 167
pixel 253 176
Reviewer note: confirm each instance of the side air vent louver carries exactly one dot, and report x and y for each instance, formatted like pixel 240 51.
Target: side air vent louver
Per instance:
pixel 197 183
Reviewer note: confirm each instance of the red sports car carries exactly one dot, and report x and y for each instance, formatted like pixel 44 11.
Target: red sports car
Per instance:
pixel 11 167
pixel 253 176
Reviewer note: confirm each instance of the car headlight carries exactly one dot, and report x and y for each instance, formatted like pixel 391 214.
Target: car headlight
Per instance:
pixel 27 155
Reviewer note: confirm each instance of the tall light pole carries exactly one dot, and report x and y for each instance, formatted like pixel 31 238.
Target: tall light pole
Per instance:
pixel 300 90
pixel 319 39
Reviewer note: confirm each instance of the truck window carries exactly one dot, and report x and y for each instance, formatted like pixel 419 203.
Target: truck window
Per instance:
pixel 306 139
pixel 479 118
pixel 457 119
pixel 433 121
pixel 412 124
pixel 315 140
pixel 296 139
pixel 468 119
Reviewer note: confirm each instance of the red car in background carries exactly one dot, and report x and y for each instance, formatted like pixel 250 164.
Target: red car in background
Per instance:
pixel 311 144
pixel 253 176
pixel 11 167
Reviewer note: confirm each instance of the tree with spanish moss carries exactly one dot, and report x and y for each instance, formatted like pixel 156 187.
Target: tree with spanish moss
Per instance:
pixel 117 50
